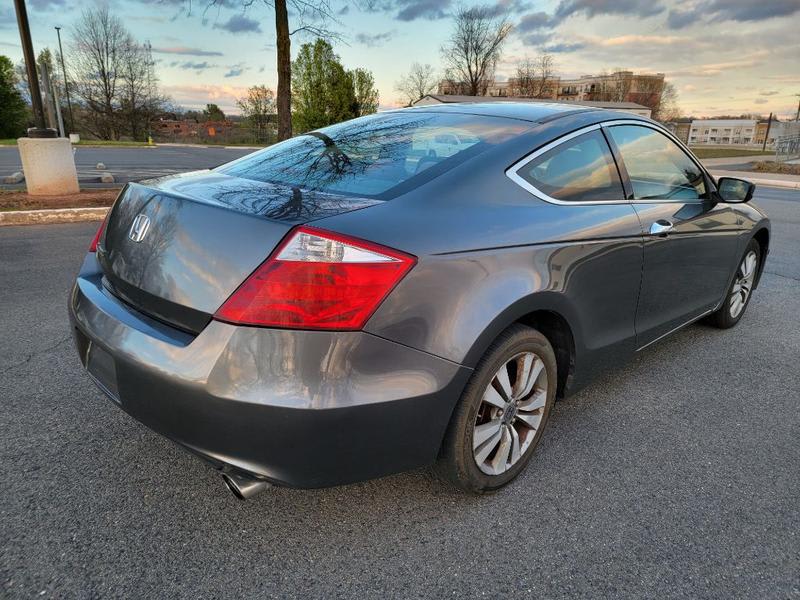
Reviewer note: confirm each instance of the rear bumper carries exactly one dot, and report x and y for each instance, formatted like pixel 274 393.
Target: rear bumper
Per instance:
pixel 299 408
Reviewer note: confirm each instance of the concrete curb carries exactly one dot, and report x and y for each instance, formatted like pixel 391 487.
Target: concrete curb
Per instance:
pixel 791 185
pixel 781 183
pixel 54 215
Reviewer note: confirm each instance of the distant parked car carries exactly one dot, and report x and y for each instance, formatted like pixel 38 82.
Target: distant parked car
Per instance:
pixel 329 310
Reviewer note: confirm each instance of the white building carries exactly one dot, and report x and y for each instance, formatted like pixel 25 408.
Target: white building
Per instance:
pixel 722 131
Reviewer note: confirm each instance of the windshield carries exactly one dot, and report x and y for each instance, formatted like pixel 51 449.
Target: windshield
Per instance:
pixel 379 156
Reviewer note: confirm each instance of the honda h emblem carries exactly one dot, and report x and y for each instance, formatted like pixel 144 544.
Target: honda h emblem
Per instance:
pixel 139 228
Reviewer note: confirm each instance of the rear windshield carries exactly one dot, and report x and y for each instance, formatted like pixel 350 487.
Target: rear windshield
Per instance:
pixel 379 156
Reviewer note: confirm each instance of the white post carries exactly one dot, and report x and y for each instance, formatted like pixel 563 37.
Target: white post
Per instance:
pixel 58 112
pixel 49 166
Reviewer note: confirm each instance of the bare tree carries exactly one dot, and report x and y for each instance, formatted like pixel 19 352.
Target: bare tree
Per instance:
pixel 660 97
pixel 99 43
pixel 535 78
pixel 138 89
pixel 420 81
pixel 523 85
pixel 545 76
pixel 474 48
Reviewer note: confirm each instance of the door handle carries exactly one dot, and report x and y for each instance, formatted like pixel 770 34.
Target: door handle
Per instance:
pixel 661 228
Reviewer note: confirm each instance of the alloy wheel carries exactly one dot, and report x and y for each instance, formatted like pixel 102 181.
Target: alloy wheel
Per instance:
pixel 743 285
pixel 510 413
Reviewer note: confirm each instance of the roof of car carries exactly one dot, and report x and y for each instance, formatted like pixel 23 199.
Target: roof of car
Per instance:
pixel 528 111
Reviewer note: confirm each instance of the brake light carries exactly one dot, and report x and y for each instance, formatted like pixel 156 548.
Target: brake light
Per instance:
pixel 317 279
pixel 96 238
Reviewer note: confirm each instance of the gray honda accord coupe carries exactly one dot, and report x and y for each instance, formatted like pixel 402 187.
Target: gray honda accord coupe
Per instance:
pixel 410 288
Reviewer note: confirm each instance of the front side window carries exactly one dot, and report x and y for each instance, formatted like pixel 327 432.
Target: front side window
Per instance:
pixel 657 167
pixel 579 170
pixel 379 156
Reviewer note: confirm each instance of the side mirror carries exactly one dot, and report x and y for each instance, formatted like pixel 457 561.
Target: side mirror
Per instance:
pixel 731 189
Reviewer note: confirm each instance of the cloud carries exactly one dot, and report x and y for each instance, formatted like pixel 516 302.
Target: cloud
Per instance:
pixel 678 19
pixel 731 10
pixel 507 7
pixel 41 5
pixel 650 40
pixel 195 66
pixel 235 70
pixel 239 24
pixel 411 10
pixel 532 28
pixel 197 96
pixel 565 47
pixel 748 10
pixel 760 101
pixel 537 38
pixel 374 40
pixel 186 50
pixel 594 8
pixel 770 93
pixel 536 28
pixel 534 22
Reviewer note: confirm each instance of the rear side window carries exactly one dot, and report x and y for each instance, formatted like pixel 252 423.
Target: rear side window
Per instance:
pixel 379 156
pixel 579 170
pixel 657 167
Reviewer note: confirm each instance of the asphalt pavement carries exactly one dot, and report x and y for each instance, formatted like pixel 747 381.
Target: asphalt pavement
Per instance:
pixel 677 475
pixel 134 163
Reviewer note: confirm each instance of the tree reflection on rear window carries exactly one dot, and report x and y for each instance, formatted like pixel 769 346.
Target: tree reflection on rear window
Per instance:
pixel 379 156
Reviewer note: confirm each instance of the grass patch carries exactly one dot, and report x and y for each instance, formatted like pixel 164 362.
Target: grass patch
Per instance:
pixel 111 143
pixel 704 152
pixel 13 142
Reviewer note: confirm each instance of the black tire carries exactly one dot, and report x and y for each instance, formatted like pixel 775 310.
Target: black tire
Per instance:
pixel 723 317
pixel 457 462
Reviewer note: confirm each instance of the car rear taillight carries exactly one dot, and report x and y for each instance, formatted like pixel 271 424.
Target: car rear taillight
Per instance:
pixel 96 238
pixel 317 279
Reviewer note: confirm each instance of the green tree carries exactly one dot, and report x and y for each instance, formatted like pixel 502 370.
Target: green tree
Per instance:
pixel 13 110
pixel 324 92
pixel 258 109
pixel 213 112
pixel 365 93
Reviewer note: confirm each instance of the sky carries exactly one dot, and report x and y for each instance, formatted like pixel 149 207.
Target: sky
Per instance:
pixel 723 56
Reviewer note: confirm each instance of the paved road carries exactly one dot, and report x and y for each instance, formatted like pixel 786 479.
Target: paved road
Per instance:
pixel 676 476
pixel 132 164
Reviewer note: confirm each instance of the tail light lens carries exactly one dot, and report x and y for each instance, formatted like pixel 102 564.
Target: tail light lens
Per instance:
pixel 317 279
pixel 96 238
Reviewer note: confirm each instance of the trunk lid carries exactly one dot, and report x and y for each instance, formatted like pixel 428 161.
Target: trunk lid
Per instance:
pixel 176 248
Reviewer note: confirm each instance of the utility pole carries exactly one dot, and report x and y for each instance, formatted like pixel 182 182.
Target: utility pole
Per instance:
pixel 797 118
pixel 766 134
pixel 40 131
pixel 66 84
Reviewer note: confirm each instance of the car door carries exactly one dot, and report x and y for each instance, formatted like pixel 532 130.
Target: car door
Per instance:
pixel 690 239
pixel 597 259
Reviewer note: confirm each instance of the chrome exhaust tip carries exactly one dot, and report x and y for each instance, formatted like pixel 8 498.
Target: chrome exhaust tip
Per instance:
pixel 243 486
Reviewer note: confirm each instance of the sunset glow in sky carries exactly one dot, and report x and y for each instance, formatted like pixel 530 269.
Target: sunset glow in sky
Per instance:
pixel 724 56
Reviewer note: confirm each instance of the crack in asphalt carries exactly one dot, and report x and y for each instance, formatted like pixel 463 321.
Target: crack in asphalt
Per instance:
pixel 782 275
pixel 31 356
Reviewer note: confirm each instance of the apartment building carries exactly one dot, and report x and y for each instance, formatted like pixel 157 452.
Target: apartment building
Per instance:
pixel 725 132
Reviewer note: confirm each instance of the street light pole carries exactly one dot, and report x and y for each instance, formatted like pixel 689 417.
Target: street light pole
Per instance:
pixel 66 84
pixel 40 131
